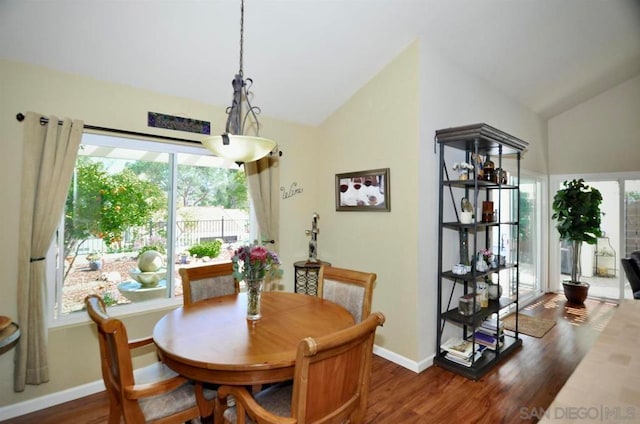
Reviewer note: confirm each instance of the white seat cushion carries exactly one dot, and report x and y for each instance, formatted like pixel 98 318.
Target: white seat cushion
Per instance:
pixel 275 399
pixel 155 407
pixel 349 296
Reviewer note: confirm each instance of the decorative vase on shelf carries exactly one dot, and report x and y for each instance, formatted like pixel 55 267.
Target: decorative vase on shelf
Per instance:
pixel 495 291
pixel 482 289
pixel 464 248
pixel 480 264
pixel 254 292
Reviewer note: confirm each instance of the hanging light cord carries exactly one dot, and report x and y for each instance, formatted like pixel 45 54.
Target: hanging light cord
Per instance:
pixel 236 119
pixel 241 33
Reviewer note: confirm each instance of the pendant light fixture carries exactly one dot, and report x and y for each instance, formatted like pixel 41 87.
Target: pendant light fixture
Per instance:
pixel 234 144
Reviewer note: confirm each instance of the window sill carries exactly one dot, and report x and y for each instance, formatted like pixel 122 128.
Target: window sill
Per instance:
pixel 132 309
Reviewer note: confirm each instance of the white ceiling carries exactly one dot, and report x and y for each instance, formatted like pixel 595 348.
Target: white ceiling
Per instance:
pixel 307 57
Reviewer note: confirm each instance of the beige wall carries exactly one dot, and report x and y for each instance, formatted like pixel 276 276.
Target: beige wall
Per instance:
pixel 600 135
pixel 73 355
pixel 378 128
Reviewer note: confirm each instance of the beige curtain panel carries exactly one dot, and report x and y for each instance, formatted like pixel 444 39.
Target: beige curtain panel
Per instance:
pixel 48 158
pixel 263 178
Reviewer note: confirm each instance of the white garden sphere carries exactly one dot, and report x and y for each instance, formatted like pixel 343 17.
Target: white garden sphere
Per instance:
pixel 150 261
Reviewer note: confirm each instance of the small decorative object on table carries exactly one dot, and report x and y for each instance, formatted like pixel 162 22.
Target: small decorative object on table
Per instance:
pixel 313 243
pixel 252 264
pixel 9 333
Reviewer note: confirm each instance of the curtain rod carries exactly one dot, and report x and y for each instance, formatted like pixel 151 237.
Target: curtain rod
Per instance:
pixel 43 120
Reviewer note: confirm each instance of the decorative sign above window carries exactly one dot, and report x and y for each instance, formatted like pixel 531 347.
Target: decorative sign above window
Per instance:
pixel 170 122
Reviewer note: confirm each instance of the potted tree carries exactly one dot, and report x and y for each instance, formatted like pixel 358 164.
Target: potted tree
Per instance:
pixel 576 208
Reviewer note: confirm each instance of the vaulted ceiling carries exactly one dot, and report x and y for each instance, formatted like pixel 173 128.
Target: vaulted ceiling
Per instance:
pixel 307 57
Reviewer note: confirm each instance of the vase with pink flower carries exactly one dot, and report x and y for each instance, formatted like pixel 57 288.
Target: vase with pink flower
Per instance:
pixel 252 264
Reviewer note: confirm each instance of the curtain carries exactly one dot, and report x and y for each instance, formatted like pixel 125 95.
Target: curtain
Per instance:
pixel 48 159
pixel 263 178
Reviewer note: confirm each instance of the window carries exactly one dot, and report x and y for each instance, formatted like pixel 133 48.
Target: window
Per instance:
pixel 131 196
pixel 531 234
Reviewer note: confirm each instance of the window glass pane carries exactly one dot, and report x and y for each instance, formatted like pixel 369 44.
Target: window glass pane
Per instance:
pixel 212 213
pixel 129 197
pixel 530 236
pixel 631 230
pixel 528 232
pixel 632 217
pixel 112 214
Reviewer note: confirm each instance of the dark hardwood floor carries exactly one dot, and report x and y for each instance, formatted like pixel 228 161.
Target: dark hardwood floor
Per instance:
pixel 517 391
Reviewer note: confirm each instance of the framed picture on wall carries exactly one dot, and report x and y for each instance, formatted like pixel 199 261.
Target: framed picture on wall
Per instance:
pixel 363 191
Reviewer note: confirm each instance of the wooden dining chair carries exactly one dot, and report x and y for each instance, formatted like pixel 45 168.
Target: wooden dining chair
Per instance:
pixel 206 281
pixel 351 289
pixel 152 394
pixel 330 384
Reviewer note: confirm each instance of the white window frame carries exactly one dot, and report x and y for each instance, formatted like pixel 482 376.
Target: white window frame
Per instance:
pixel 55 270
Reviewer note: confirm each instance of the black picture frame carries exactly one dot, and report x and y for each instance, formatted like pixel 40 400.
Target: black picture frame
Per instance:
pixel 368 191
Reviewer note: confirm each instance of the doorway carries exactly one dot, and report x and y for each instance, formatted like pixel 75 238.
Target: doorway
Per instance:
pixel 600 263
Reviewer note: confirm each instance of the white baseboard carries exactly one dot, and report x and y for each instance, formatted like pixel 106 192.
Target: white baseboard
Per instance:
pixel 46 401
pixel 404 362
pixel 36 404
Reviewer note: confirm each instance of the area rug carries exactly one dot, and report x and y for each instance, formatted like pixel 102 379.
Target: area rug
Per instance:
pixel 531 326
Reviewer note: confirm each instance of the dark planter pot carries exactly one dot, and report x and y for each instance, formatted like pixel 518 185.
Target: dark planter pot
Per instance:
pixel 95 265
pixel 576 292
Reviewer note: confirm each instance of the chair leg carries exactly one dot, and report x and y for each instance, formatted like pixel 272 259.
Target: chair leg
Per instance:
pixel 115 412
pixel 205 406
pixel 221 405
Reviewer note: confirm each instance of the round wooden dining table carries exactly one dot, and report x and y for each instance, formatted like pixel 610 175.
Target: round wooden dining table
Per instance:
pixel 212 341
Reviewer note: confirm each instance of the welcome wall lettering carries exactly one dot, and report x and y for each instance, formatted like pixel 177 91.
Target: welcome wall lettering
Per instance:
pixel 292 191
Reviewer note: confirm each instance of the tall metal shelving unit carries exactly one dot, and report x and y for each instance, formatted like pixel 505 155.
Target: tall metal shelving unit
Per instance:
pixel 478 140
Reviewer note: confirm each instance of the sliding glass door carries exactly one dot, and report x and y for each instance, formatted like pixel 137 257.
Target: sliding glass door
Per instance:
pixel 531 236
pixel 600 263
pixel 530 233
pixel 631 228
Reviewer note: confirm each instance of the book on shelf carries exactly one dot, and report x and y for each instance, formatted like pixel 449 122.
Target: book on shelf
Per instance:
pixel 490 341
pixel 458 347
pixel 492 324
pixel 490 332
pixel 467 362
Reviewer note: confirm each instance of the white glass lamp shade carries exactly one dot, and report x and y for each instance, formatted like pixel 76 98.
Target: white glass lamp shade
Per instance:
pixel 241 148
